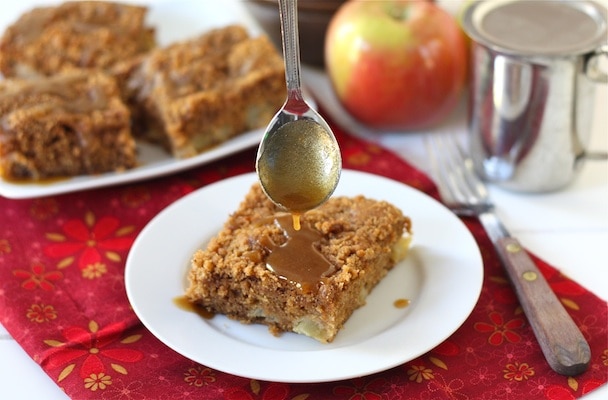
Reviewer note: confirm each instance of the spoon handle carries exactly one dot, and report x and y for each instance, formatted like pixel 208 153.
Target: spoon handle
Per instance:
pixel 291 47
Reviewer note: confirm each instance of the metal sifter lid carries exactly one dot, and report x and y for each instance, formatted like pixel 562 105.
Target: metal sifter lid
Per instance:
pixel 537 27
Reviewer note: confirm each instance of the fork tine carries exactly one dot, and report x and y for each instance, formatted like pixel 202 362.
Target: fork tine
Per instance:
pixel 453 169
pixel 453 160
pixel 471 184
pixel 439 169
pixel 446 170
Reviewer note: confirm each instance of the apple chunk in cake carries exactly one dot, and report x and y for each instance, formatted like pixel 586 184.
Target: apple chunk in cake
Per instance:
pixel 259 270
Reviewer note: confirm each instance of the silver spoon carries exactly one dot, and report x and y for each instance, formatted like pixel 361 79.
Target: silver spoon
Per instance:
pixel 298 160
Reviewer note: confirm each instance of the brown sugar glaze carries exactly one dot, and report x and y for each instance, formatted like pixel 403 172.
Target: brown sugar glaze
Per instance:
pixel 183 303
pixel 59 92
pixel 298 259
pixel 401 303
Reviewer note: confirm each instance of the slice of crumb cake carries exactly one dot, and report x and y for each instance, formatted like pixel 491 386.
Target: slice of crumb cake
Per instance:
pixel 47 40
pixel 259 270
pixel 198 93
pixel 73 123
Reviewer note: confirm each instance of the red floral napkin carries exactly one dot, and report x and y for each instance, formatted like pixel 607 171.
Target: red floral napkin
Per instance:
pixel 63 299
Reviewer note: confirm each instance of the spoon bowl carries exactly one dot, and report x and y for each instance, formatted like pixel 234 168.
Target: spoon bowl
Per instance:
pixel 298 160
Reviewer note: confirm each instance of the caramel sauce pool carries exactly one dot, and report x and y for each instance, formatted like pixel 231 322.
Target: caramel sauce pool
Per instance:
pixel 298 167
pixel 401 303
pixel 183 304
pixel 298 259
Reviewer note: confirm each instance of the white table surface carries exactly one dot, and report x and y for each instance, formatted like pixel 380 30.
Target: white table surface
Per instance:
pixel 568 229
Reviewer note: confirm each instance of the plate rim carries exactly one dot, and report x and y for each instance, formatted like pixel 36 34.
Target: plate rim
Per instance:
pixel 472 297
pixel 143 171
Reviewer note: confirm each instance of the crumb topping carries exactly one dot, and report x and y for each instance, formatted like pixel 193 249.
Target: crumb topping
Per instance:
pixel 358 236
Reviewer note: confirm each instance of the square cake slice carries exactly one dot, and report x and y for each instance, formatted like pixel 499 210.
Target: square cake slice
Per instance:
pixel 70 124
pixel 73 35
pixel 258 269
pixel 195 94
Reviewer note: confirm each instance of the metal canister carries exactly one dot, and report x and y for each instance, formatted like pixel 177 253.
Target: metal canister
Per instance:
pixel 534 71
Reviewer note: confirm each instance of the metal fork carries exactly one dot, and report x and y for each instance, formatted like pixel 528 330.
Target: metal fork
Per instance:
pixel 562 343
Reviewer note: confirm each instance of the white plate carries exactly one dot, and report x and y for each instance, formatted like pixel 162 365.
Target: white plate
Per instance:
pixel 442 278
pixel 174 20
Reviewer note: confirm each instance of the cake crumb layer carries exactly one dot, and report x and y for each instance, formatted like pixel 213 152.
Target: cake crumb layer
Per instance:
pixel 74 35
pixel 363 238
pixel 73 123
pixel 198 93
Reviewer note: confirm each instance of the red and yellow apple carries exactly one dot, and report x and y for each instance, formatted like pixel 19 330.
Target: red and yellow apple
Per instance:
pixel 396 64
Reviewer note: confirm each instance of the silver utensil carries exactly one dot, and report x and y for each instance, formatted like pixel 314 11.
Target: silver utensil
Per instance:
pixel 298 160
pixel 562 343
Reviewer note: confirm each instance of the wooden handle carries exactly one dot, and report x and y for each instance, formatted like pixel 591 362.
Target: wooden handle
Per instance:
pixel 562 343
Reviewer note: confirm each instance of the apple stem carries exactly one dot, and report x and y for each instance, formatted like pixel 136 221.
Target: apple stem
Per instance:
pixel 397 11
